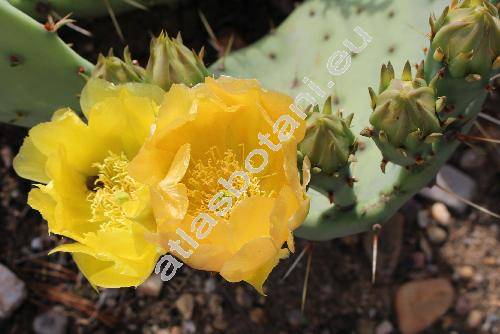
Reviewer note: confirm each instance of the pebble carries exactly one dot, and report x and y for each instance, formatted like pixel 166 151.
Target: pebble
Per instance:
pixel 384 327
pixel 215 305
pixel 258 316
pixel 12 292
pixel 436 234
pixel 473 159
pixel 175 330
pixel 489 261
pixel 36 244
pixel 242 297
pixel 185 305
pixel 440 213
pixel 423 218
pixel 151 287
pixel 51 322
pixel 188 327
pixel 209 285
pixel 492 321
pixel 475 319
pixel 462 306
pixel 220 323
pixel 421 303
pixel 455 180
pixel 466 272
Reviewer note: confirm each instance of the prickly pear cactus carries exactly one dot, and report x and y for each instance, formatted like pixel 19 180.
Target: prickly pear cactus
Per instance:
pixel 39 73
pixel 336 47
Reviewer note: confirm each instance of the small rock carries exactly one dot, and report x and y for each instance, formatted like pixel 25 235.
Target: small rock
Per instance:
pixel 384 328
pixel 258 316
pixel 12 292
pixel 162 331
pixel 456 181
pixel 436 234
pixel 175 330
pixel 151 287
pixel 420 303
pixel 6 154
pixel 188 327
pixel 208 329
pixel 462 306
pixel 466 272
pixel 185 305
pixel 51 322
pixel 489 261
pixel 475 319
pixel 473 159
pixel 242 297
pixel 220 323
pixel 36 244
pixel 441 214
pixel 424 218
pixel 215 305
pixel 492 321
pixel 209 285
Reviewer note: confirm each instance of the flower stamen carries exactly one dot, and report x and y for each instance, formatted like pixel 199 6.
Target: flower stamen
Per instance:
pixel 110 189
pixel 202 180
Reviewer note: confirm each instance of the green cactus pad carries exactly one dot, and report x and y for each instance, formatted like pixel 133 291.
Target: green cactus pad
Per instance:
pixel 311 49
pixel 39 73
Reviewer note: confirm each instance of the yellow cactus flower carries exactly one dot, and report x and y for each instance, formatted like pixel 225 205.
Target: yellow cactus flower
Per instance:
pixel 85 192
pixel 222 169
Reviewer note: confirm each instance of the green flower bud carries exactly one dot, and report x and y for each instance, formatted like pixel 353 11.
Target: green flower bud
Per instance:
pixel 117 71
pixel 170 62
pixel 404 118
pixel 328 142
pixel 467 37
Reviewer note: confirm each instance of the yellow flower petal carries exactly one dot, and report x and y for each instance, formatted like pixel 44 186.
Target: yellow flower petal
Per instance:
pixel 90 197
pixel 251 219
pixel 30 162
pixel 124 120
pixel 98 90
pixel 68 132
pixel 41 200
pixel 252 263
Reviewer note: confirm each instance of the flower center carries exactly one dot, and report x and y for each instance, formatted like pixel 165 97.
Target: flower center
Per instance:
pixel 202 178
pixel 110 190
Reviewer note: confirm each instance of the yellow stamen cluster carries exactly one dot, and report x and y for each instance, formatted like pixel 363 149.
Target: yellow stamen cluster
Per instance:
pixel 202 180
pixel 112 188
